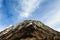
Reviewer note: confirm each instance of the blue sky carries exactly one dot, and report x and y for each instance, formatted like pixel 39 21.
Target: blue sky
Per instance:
pixel 15 11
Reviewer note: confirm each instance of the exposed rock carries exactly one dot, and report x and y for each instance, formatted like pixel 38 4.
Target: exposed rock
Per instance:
pixel 29 30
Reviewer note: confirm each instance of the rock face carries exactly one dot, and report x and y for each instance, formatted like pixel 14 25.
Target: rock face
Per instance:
pixel 29 30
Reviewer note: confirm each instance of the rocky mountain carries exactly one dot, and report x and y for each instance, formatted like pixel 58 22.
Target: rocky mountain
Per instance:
pixel 29 30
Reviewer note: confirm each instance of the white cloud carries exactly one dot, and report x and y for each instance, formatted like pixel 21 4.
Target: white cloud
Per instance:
pixel 58 29
pixel 53 20
pixel 53 16
pixel 25 14
pixel 28 6
pixel 1 28
pixel 9 26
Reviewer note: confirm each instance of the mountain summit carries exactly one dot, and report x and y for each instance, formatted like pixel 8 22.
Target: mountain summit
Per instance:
pixel 29 30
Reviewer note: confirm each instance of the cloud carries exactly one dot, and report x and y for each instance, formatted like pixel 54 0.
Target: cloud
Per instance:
pixel 1 28
pixel 28 6
pixel 52 17
pixel 0 16
pixel 0 3
pixel 58 29
pixel 25 14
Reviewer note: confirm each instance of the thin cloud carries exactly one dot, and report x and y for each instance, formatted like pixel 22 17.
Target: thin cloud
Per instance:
pixel 58 29
pixel 0 3
pixel 25 14
pixel 52 19
pixel 1 16
pixel 1 28
pixel 28 6
pixel 53 16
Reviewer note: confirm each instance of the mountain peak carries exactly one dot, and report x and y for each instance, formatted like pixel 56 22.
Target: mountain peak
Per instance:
pixel 29 30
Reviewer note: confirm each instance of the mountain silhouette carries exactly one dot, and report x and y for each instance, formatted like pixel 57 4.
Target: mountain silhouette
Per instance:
pixel 29 30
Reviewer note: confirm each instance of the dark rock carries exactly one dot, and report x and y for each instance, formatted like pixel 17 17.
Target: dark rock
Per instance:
pixel 29 30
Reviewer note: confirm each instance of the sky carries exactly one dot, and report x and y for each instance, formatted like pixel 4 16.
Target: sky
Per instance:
pixel 15 11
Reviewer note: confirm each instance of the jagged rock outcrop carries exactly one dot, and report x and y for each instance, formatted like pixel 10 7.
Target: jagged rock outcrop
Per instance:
pixel 29 30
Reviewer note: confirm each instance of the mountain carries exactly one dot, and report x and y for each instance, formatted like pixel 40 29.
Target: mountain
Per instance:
pixel 29 30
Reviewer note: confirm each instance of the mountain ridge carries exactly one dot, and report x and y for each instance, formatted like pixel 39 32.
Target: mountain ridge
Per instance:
pixel 29 30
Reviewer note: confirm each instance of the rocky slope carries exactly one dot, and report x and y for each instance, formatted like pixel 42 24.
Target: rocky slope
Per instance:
pixel 29 30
